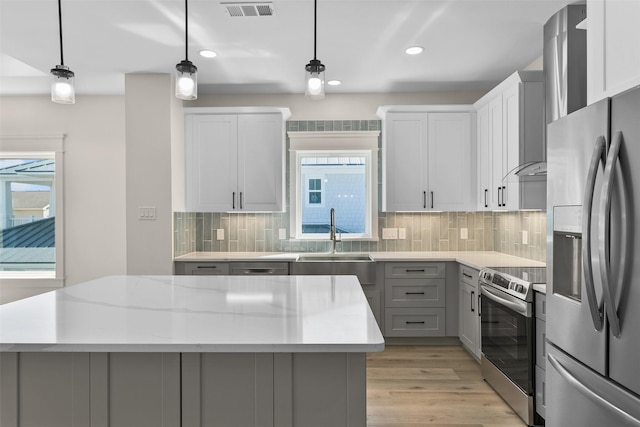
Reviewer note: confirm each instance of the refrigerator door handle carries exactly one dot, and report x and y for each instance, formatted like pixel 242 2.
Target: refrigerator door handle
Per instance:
pixel 604 232
pixel 587 392
pixel 598 157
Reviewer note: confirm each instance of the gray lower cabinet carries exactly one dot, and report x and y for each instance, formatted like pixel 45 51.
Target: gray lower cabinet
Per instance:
pixel 541 353
pixel 209 268
pixel 201 268
pixel 415 299
pixel 183 389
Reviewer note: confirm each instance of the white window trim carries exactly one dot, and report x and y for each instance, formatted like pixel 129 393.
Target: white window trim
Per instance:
pixel 360 143
pixel 18 146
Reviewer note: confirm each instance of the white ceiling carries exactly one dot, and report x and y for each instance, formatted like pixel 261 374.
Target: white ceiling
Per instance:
pixel 469 44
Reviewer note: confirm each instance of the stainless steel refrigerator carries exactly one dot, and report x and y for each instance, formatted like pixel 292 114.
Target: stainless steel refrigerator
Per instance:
pixel 593 265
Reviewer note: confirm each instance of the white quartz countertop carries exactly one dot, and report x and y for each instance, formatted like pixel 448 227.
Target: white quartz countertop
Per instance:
pixel 476 259
pixel 195 314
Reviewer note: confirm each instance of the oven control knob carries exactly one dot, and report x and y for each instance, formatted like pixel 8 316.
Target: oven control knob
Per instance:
pixel 519 289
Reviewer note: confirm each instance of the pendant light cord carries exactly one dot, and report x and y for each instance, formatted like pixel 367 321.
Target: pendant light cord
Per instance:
pixel 186 30
pixel 315 24
pixel 60 29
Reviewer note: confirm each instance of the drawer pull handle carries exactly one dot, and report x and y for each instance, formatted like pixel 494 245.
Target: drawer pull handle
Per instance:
pixel 414 293
pixel 414 270
pixel 206 266
pixel 258 270
pixel 412 323
pixel 467 275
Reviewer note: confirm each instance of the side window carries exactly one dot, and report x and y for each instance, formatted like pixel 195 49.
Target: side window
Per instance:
pixel 31 211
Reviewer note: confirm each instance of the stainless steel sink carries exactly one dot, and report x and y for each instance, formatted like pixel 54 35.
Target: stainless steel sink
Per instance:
pixel 345 263
pixel 345 256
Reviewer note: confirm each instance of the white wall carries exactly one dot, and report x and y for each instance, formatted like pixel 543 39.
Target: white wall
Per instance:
pixel 149 98
pixel 94 162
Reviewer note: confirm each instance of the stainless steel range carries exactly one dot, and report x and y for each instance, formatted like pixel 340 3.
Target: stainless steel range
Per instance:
pixel 508 335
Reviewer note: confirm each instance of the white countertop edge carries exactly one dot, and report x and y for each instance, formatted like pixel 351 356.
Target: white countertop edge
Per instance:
pixel 542 288
pixel 474 259
pixel 194 348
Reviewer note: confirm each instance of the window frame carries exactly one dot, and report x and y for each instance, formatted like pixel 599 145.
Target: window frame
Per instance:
pixel 45 146
pixel 354 143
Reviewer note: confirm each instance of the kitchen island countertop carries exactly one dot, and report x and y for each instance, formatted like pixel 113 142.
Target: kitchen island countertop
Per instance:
pixel 195 314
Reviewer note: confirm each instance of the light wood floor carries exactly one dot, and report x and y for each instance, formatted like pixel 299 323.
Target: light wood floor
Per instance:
pixel 415 386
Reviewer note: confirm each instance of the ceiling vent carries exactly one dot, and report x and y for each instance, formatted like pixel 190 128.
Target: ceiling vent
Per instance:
pixel 249 9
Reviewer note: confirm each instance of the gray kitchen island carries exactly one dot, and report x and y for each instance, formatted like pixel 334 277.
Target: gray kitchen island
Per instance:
pixel 189 351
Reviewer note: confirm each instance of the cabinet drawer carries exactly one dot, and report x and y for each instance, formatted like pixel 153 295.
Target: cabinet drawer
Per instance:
pixel 259 268
pixel 415 270
pixel 469 275
pixel 414 322
pixel 205 268
pixel 541 306
pixel 415 293
pixel 541 345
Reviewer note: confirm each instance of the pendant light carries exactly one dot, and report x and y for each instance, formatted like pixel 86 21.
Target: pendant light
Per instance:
pixel 186 72
pixel 62 90
pixel 314 69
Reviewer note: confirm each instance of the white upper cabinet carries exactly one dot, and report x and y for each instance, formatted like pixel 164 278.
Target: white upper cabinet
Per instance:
pixel 510 130
pixel 235 162
pixel 427 152
pixel 613 47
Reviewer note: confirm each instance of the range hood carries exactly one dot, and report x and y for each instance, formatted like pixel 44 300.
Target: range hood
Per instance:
pixel 537 168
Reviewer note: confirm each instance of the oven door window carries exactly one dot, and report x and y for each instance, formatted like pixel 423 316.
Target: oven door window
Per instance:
pixel 507 342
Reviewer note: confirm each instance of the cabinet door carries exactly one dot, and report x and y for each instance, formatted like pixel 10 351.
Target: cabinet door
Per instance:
pixel 211 159
pixel 260 162
pixel 497 160
pixel 405 162
pixel 484 159
pixel 449 155
pixel 467 317
pixel 613 53
pixel 511 145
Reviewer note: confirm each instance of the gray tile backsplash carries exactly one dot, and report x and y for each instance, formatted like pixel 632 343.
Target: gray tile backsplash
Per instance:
pixel 255 232
pixel 437 231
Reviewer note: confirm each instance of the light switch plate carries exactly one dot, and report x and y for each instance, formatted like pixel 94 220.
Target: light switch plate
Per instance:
pixel 282 233
pixel 464 233
pixel 402 233
pixel 525 237
pixel 147 212
pixel 220 234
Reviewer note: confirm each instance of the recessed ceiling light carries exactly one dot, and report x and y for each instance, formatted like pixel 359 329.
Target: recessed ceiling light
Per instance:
pixel 334 82
pixel 206 53
pixel 414 50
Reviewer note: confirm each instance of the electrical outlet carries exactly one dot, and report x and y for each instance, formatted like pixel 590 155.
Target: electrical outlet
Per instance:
pixel 402 233
pixel 282 233
pixel 525 237
pixel 220 234
pixel 390 233
pixel 464 233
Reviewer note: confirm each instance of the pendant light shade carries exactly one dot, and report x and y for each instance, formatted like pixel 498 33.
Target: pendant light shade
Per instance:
pixel 186 72
pixel 314 70
pixel 62 78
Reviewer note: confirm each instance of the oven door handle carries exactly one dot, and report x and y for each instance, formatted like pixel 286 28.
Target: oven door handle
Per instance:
pixel 514 304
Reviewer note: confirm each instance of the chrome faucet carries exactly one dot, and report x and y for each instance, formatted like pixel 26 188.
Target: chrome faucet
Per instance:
pixel 332 230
